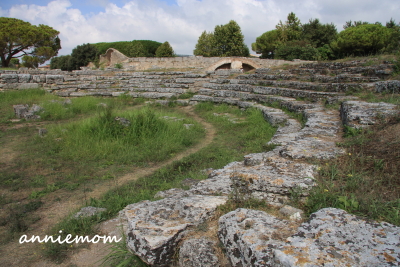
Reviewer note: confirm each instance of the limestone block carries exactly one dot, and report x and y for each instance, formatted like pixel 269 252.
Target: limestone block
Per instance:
pixel 155 228
pixel 359 114
pixel 24 78
pixel 311 147
pixel 50 79
pixel 198 252
pixel 63 93
pixel 20 110
pixel 250 237
pixel 23 86
pixel 38 78
pixel 332 237
pixel 236 65
pixel 286 133
pixel 77 94
pixel 270 177
pixel 9 78
pixel 387 86
pixel 117 93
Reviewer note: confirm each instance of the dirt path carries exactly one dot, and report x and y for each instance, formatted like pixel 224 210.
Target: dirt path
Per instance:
pixel 28 254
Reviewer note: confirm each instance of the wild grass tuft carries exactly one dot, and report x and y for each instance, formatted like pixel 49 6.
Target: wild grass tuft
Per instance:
pixel 105 138
pixel 365 180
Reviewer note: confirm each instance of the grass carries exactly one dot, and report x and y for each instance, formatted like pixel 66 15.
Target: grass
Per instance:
pixel 56 108
pixel 102 138
pixel 250 135
pixel 365 181
pixel 85 147
pixel 383 97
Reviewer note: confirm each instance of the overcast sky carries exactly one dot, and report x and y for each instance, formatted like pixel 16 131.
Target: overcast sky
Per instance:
pixel 180 22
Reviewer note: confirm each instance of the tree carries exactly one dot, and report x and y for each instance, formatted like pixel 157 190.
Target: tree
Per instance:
pixel 297 50
pixel 82 55
pixel 165 50
pixel 391 23
pixel 350 24
pixel 266 44
pixel 364 39
pixel 291 30
pixel 19 38
pixel 62 62
pixel 226 41
pixel 205 45
pixel 394 38
pixel 318 34
pixel 229 41
pixel 136 49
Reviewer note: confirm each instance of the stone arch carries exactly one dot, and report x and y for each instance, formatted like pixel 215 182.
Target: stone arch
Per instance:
pixel 235 63
pixel 247 67
pixel 224 66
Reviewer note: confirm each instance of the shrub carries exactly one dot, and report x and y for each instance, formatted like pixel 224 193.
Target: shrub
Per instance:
pixel 297 50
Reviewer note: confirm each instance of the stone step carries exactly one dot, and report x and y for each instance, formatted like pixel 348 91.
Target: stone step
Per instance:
pixel 245 88
pixel 360 114
pixel 152 95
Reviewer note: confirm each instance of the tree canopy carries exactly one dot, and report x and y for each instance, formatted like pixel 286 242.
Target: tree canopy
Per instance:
pixel 361 40
pixel 80 57
pixel 18 38
pixel 317 41
pixel 165 50
pixel 266 44
pixel 318 34
pixel 226 41
pixel 205 45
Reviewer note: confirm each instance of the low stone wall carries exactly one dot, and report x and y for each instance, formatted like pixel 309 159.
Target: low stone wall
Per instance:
pixel 113 56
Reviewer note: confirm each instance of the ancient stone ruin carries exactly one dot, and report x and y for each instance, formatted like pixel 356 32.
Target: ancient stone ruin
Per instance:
pixel 161 232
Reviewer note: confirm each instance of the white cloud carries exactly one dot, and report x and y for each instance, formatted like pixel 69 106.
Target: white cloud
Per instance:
pixel 182 24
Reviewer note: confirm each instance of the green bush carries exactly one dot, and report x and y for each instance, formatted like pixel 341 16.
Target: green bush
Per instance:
pixel 297 50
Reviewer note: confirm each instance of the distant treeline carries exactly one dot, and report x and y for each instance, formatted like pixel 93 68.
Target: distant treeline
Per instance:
pixel 135 48
pixel 83 54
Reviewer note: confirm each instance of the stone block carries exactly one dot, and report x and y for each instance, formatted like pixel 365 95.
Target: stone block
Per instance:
pixel 50 79
pixel 332 237
pixel 9 78
pixel 24 78
pixel 155 228
pixel 23 86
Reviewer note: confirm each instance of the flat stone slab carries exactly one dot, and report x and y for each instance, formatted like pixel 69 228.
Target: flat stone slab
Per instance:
pixel 251 236
pixel 155 228
pixel 359 114
pixel 263 175
pixel 332 237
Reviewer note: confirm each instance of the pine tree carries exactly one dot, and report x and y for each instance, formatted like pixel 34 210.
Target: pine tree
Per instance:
pixel 165 50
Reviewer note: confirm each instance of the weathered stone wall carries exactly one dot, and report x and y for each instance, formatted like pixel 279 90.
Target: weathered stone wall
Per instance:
pixel 113 56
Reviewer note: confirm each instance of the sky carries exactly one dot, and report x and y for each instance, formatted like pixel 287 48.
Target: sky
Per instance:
pixel 181 22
